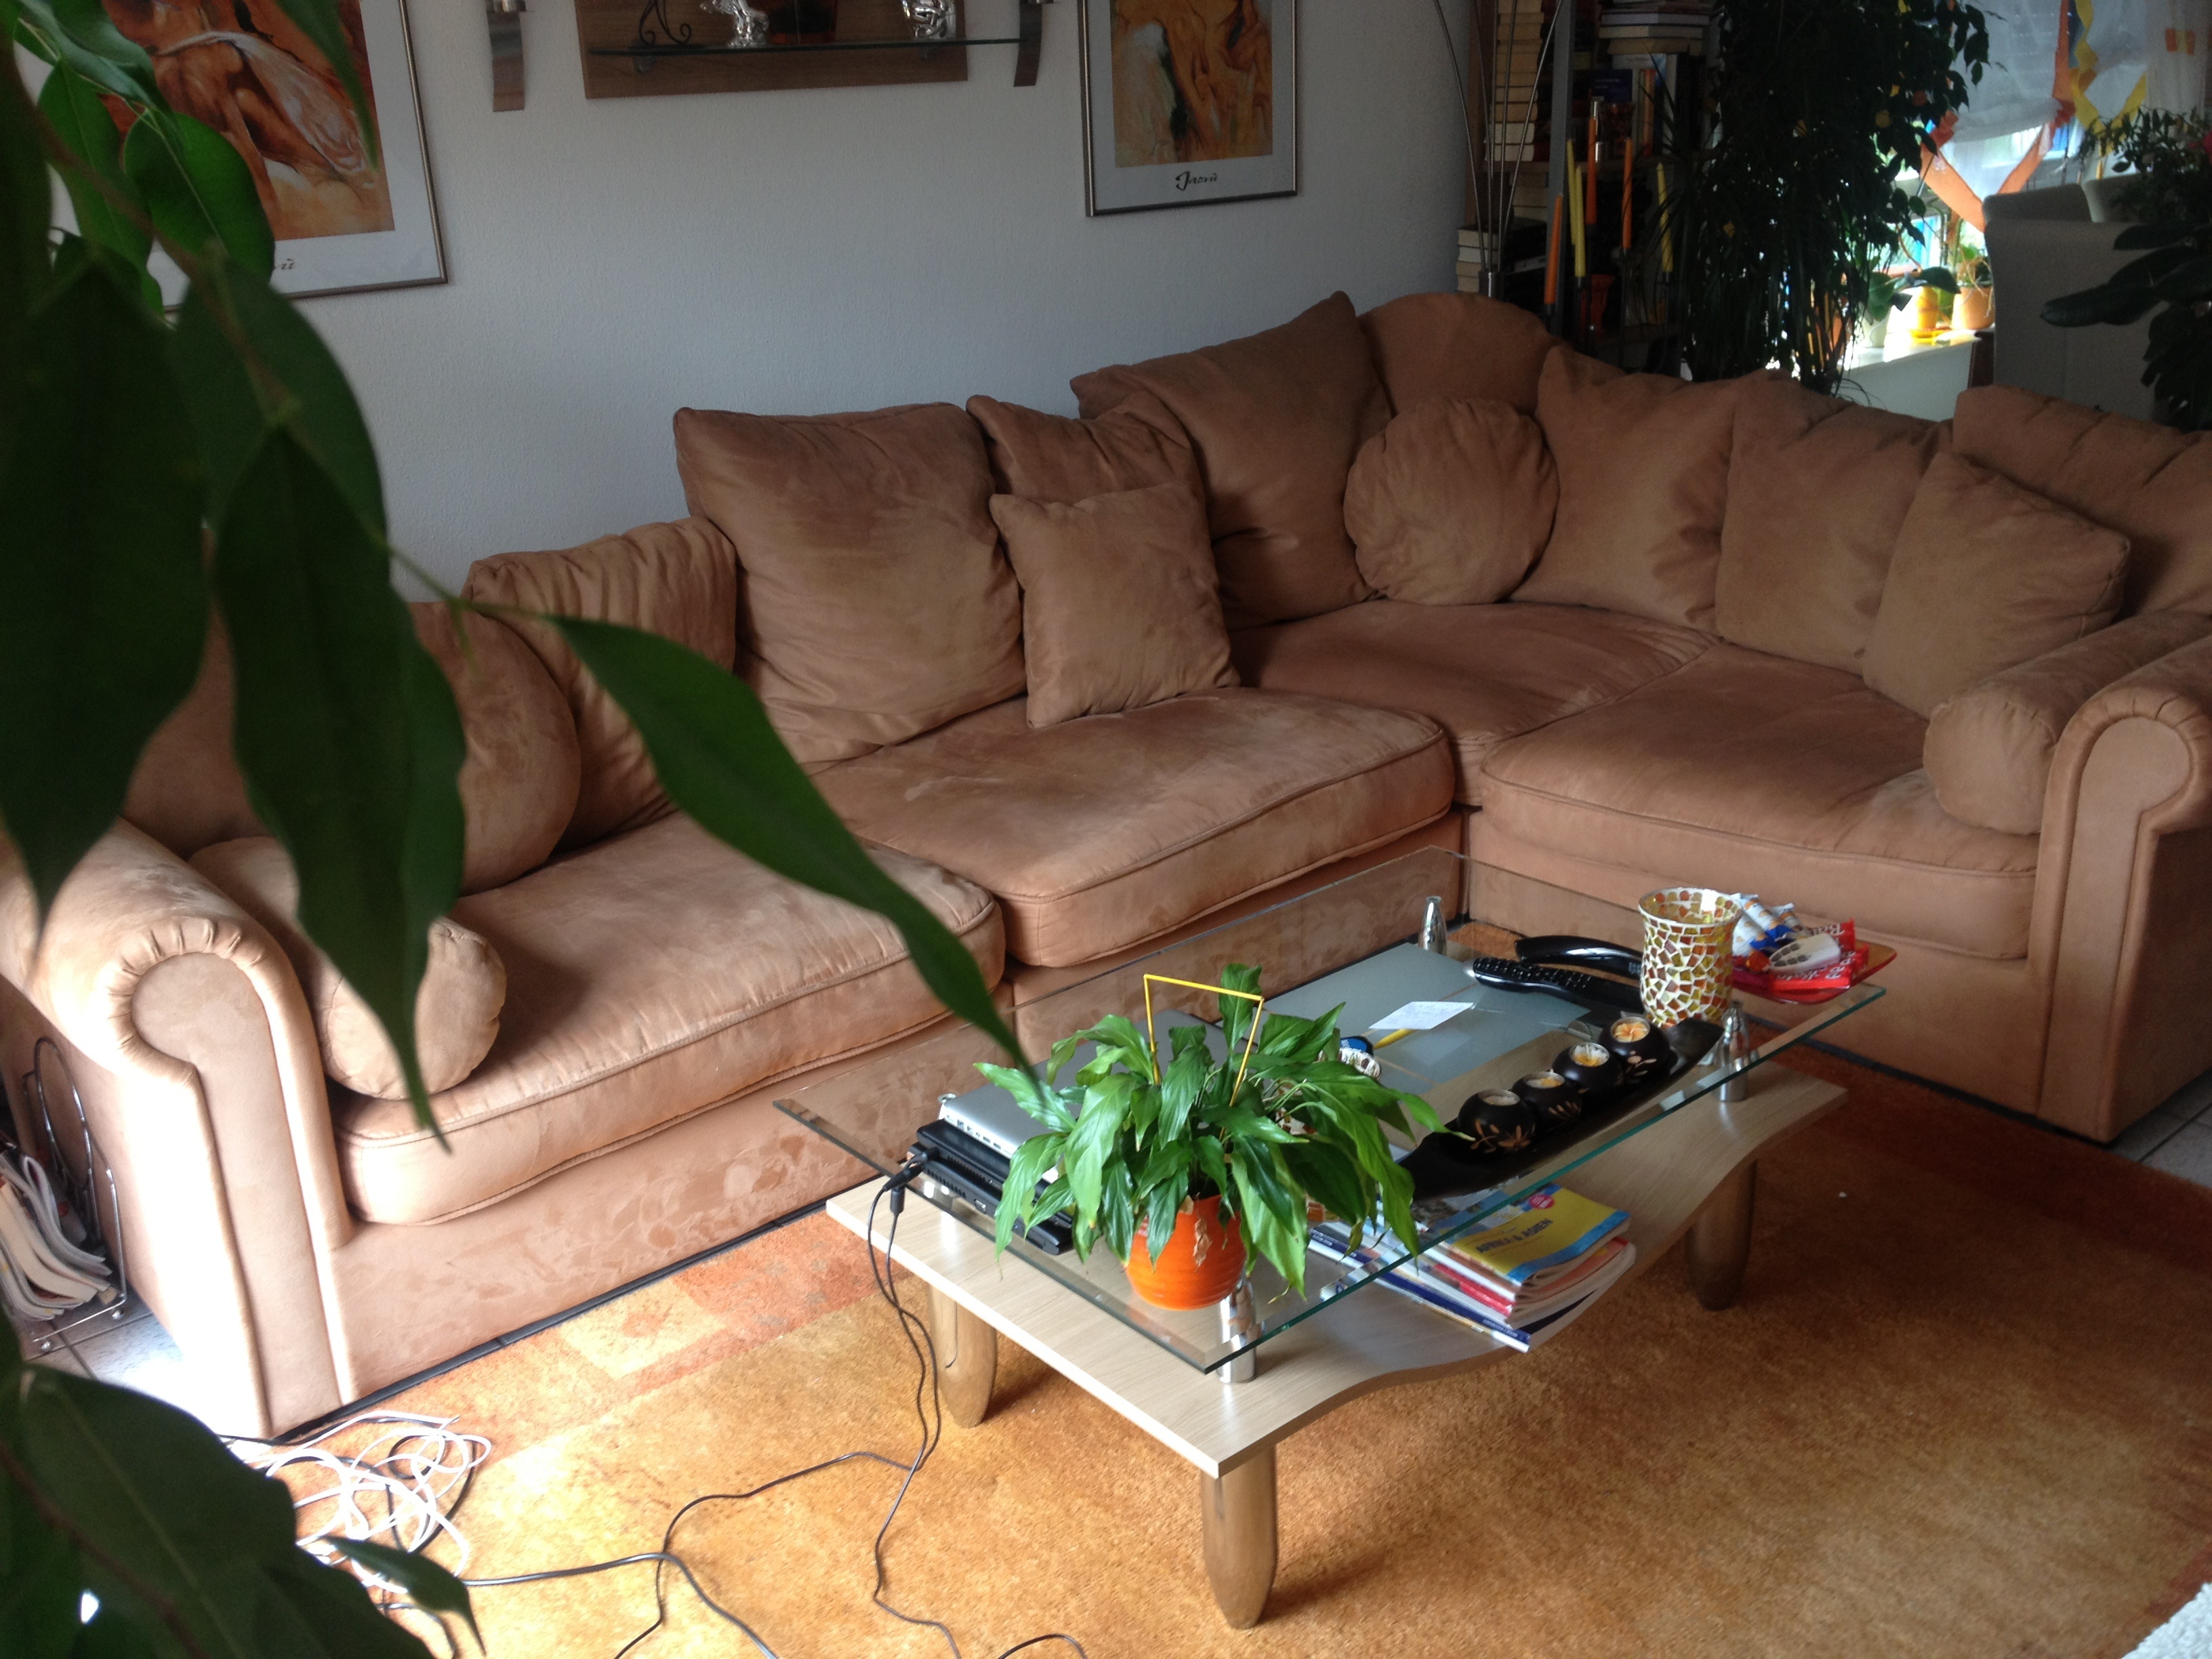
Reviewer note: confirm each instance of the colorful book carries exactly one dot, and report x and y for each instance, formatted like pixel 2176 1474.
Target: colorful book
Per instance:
pixel 1529 1243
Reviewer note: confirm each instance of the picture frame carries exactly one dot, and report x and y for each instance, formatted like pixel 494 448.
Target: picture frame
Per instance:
pixel 1151 140
pixel 344 222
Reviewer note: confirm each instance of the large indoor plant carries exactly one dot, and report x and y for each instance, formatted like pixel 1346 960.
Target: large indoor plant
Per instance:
pixel 1141 1142
pixel 2168 191
pixel 160 473
pixel 1817 108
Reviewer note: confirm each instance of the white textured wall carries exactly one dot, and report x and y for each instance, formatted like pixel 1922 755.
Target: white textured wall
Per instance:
pixel 805 251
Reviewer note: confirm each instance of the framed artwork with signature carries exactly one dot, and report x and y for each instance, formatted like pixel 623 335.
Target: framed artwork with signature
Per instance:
pixel 1189 101
pixel 347 215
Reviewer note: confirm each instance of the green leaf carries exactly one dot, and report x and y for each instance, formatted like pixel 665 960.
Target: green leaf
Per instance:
pixel 1092 1139
pixel 78 33
pixel 199 191
pixel 2105 304
pixel 1032 1096
pixel 320 21
pixel 249 361
pixel 1117 1211
pixel 2153 235
pixel 1163 1203
pixel 721 762
pixel 39 1578
pixel 346 730
pixel 427 1584
pixel 71 106
pixel 1328 1175
pixel 1179 1089
pixel 1018 1199
pixel 103 603
pixel 309 1611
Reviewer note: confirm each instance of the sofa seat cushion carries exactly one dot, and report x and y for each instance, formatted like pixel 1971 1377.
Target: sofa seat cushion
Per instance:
pixel 1100 833
pixel 1484 673
pixel 1754 773
pixel 649 977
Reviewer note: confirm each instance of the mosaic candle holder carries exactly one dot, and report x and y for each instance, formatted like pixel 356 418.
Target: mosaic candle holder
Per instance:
pixel 1686 932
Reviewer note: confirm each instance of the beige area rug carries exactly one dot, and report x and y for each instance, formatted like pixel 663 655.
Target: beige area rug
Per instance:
pixel 1963 1409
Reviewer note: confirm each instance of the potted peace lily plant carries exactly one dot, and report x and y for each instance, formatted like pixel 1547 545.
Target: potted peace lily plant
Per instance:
pixel 1183 1164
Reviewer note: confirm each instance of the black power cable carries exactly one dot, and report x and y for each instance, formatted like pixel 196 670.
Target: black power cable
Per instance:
pixel 932 1423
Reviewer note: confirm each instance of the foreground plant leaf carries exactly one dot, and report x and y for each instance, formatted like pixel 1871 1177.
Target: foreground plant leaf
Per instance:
pixel 71 106
pixel 428 1585
pixel 103 603
pixel 198 190
pixel 275 367
pixel 346 730
pixel 722 763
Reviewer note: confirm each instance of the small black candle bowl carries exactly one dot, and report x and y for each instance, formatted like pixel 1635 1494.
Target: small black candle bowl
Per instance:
pixel 1497 1120
pixel 1555 1101
pixel 1590 1066
pixel 1642 1050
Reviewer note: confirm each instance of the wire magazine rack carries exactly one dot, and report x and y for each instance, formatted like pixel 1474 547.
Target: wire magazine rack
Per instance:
pixel 82 1176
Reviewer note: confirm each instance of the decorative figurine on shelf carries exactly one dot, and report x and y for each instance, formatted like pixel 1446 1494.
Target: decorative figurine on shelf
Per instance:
pixel 748 28
pixel 931 20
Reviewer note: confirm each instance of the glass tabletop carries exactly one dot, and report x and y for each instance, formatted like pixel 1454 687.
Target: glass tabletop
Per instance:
pixel 1355 942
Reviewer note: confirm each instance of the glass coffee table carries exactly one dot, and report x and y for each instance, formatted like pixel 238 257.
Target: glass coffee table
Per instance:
pixel 1221 1385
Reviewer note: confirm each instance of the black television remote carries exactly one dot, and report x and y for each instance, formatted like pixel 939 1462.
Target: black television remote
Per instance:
pixel 1566 982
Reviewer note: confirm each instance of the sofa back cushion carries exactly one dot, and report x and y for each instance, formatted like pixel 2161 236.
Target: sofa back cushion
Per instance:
pixel 456 1009
pixel 1989 748
pixel 518 783
pixel 1276 419
pixel 1118 602
pixel 677 580
pixel 1055 458
pixel 1457 345
pixel 1986 575
pixel 1643 463
pixel 1817 490
pixel 2151 485
pixel 876 603
pixel 1451 503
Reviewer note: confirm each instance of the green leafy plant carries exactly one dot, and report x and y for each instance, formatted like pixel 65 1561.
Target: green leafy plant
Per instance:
pixel 2170 193
pixel 1887 291
pixel 1818 107
pixel 158 473
pixel 1135 1133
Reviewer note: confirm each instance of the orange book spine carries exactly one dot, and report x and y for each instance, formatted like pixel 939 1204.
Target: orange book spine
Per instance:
pixel 1552 259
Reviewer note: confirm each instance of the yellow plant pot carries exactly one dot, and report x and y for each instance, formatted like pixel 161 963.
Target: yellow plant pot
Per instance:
pixel 1928 318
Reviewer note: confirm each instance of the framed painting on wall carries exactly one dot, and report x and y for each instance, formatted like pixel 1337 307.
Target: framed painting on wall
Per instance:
pixel 1189 101
pixel 345 218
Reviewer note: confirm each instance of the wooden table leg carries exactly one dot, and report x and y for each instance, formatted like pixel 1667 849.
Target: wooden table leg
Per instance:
pixel 1238 1514
pixel 967 1359
pixel 1718 1244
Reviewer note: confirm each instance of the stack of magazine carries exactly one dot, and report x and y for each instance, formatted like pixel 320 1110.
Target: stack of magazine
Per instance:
pixel 1522 1276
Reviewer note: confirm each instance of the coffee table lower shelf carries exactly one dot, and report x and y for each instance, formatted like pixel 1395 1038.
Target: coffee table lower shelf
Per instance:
pixel 1692 1174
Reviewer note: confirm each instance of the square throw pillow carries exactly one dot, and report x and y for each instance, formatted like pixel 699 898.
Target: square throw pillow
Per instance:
pixel 1451 503
pixel 875 602
pixel 2152 484
pixel 1643 463
pixel 1457 345
pixel 1118 602
pixel 1817 490
pixel 1054 458
pixel 1276 419
pixel 1986 575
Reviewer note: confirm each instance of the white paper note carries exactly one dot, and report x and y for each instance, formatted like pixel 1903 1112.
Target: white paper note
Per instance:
pixel 1419 1017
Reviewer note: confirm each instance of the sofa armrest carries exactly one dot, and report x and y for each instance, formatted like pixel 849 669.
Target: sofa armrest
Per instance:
pixel 189 1038
pixel 2123 904
pixel 1989 750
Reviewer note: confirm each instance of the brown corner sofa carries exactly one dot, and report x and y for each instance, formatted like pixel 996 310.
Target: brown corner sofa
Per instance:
pixel 1703 580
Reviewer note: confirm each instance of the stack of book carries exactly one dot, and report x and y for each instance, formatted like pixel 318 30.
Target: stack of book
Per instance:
pixel 1653 28
pixel 1515 71
pixel 1521 250
pixel 1522 1277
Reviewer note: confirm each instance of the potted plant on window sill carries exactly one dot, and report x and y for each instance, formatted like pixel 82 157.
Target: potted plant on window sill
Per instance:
pixel 1183 1165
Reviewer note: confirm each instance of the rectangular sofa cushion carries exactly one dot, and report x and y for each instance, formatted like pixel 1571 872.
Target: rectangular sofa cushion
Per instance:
pixel 1754 773
pixel 876 604
pixel 1986 574
pixel 679 580
pixel 1457 345
pixel 1099 833
pixel 1451 503
pixel 2149 482
pixel 1643 461
pixel 649 977
pixel 1118 603
pixel 1989 748
pixel 1484 673
pixel 1817 490
pixel 1276 418
pixel 1057 458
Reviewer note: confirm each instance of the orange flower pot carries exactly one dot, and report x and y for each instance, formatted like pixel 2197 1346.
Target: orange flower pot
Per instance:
pixel 1204 1259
